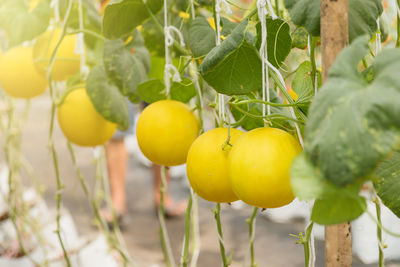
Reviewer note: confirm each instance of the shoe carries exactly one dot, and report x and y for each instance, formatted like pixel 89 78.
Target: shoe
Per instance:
pixel 173 209
pixel 107 217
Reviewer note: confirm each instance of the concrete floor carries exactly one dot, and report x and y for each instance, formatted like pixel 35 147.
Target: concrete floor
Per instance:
pixel 274 246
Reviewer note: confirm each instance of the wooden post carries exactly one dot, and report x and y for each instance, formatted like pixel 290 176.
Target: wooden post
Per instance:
pixel 334 37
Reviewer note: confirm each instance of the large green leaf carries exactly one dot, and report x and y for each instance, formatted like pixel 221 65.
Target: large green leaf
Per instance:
pixel 201 37
pixel 234 67
pixel 306 181
pixel 362 15
pixel 305 13
pixel 279 42
pixel 354 124
pixel 125 69
pixel 106 98
pixel 22 24
pixel 122 17
pixel 338 209
pixel 387 183
pixel 333 204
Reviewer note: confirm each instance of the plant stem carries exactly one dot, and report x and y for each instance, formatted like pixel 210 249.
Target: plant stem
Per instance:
pixel 252 231
pixel 381 261
pixel 306 244
pixel 161 30
pixel 217 216
pixel 195 230
pixel 272 116
pixel 241 102
pixel 186 238
pixel 282 88
pixel 89 32
pixel 380 225
pixel 215 19
pixel 165 243
pixel 398 23
pixel 51 142
pixel 313 43
pixel 277 8
pixel 116 239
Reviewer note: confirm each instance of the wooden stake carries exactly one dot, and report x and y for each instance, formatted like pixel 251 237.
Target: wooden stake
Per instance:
pixel 334 37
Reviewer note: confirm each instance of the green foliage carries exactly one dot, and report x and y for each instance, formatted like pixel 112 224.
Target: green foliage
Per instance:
pixel 234 67
pixel 362 16
pixel 121 18
pixel 137 47
pixel 303 85
pixel 154 90
pixel 126 67
pixel 22 24
pixel 183 91
pixel 91 18
pixel 333 204
pixel 201 37
pixel 151 91
pixel 106 98
pixel 279 41
pixel 338 209
pixel 248 123
pixel 300 38
pixel 387 183
pixel 354 124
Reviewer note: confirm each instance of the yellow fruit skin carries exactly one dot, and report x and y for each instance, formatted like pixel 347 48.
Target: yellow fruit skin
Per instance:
pixel 165 131
pixel 67 61
pixel 81 123
pixel 259 165
pixel 18 75
pixel 207 165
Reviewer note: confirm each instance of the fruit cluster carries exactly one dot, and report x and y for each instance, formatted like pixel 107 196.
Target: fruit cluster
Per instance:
pixel 223 165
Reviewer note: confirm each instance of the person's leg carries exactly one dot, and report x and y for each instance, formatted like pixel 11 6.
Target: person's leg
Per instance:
pixel 171 208
pixel 117 161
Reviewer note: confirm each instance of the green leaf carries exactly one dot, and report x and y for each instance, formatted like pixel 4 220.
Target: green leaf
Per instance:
pixel 137 47
pixel 20 23
pixel 248 123
pixel 91 19
pixel 201 37
pixel 362 15
pixel 121 18
pixel 152 91
pixel 279 42
pixel 306 181
pixel 183 91
pixel 227 26
pixel 300 38
pixel 305 13
pixel 126 70
pixel 106 98
pixel 234 67
pixel 338 209
pixel 333 204
pixel 303 82
pixel 387 184
pixel 157 65
pixel 354 124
